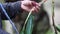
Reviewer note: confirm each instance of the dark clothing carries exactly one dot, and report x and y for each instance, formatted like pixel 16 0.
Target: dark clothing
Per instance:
pixel 12 9
pixel 0 21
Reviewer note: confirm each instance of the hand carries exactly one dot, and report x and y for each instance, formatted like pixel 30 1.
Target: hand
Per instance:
pixel 28 5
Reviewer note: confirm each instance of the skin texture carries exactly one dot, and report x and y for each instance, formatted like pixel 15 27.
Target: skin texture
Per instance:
pixel 28 5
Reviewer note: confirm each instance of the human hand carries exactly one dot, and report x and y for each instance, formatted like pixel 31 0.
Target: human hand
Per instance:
pixel 28 5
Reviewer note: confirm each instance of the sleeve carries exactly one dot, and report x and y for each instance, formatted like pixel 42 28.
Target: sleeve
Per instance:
pixel 12 9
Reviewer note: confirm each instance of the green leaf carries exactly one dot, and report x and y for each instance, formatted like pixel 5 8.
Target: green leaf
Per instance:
pixel 21 32
pixel 27 29
pixel 29 25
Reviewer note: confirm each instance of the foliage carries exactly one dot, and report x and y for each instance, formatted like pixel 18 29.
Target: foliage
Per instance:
pixel 29 26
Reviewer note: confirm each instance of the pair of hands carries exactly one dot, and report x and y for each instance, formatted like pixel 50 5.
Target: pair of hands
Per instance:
pixel 28 5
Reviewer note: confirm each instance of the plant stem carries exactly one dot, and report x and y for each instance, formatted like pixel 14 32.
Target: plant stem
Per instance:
pixel 53 17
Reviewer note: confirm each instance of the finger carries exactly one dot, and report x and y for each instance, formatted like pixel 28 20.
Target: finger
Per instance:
pixel 38 8
pixel 35 10
pixel 35 3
